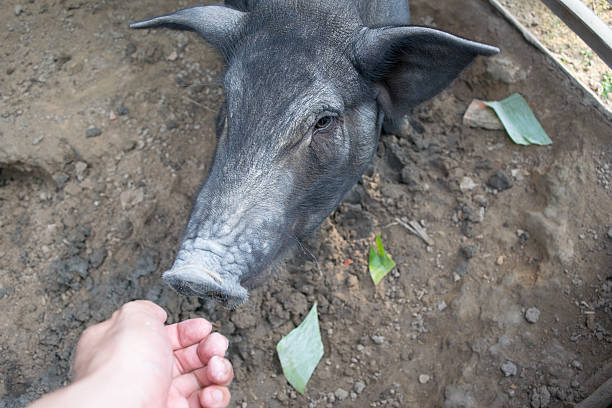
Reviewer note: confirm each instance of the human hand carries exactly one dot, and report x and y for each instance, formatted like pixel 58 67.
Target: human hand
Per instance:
pixel 133 360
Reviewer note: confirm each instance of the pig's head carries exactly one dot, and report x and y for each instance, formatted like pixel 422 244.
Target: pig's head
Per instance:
pixel 307 88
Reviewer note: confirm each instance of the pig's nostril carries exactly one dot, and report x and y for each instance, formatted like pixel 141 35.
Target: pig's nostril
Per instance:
pixel 198 268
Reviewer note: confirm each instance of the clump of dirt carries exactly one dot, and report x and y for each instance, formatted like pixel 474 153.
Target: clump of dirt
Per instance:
pixel 510 306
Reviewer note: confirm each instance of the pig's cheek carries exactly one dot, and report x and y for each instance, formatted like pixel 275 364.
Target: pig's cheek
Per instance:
pixel 326 148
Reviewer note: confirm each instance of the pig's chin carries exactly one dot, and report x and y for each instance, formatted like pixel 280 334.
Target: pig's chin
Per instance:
pixel 193 280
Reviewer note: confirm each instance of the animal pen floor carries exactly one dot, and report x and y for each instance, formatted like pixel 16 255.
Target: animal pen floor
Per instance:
pixel 89 223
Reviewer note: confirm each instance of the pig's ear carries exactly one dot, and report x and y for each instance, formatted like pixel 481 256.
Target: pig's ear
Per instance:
pixel 409 65
pixel 219 25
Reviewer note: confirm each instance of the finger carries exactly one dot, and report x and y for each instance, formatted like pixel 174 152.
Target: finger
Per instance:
pixel 215 397
pixel 196 356
pixel 219 371
pixel 215 345
pixel 188 332
pixel 186 360
pixel 138 308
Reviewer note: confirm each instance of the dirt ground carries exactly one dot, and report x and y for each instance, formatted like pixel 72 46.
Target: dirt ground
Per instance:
pixel 89 223
pixel 567 47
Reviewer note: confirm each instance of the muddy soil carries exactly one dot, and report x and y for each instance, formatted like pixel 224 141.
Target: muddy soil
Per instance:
pixel 105 135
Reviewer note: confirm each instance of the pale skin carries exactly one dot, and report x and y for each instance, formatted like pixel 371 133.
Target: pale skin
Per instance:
pixel 134 360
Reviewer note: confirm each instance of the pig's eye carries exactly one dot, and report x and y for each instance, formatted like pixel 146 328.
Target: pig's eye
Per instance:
pixel 325 124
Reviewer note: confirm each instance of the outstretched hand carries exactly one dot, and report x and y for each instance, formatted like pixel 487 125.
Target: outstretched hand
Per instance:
pixel 133 360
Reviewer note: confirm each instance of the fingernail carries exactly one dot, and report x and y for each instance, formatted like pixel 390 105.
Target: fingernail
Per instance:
pixel 217 366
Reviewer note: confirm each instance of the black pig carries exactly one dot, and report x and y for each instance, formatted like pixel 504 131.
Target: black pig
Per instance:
pixel 308 86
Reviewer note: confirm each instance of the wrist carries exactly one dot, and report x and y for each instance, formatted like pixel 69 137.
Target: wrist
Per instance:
pixel 93 392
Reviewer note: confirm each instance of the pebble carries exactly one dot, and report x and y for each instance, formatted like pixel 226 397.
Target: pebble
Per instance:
pixel 509 369
pixel 461 269
pixel 378 339
pixel 93 132
pixel 38 139
pixel 341 394
pixel 532 315
pixel 79 169
pixel 122 110
pixel 499 181
pixel 505 70
pixel 424 378
pixel 18 10
pixel 97 257
pixel 467 184
pixel 442 306
pixel 577 365
pixel 610 233
pixel 500 260
pixel 358 387
pixel 469 251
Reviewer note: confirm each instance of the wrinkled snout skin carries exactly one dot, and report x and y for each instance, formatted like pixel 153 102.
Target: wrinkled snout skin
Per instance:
pixel 308 85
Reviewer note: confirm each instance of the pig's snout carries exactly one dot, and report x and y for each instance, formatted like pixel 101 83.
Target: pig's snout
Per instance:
pixel 194 280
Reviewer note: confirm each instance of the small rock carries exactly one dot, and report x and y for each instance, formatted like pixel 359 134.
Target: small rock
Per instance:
pixel 467 184
pixel 93 132
pixel 171 124
pixel 461 269
pixel 479 115
pixel 79 169
pixel 122 110
pixel 3 292
pixel 97 257
pixel 172 57
pixel 61 180
pixel 341 394
pixel 481 200
pixel 352 282
pixel 125 229
pixel 18 10
pixel 499 181
pixel 532 315
pixel 577 365
pixel 112 116
pixel 442 306
pixel 509 369
pixel 127 145
pixel 37 140
pixel 500 260
pixel 469 251
pixel 540 397
pixel 378 339
pixel 358 387
pixel 505 70
pixel 424 378
pixel 610 233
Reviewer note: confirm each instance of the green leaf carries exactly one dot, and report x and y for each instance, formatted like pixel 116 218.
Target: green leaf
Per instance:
pixel 380 263
pixel 519 121
pixel 301 350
